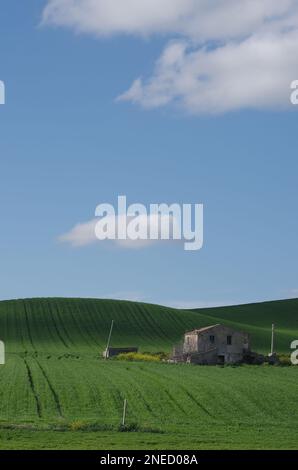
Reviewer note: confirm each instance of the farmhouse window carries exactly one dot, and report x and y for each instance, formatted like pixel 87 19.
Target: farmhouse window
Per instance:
pixel 229 340
pixel 212 339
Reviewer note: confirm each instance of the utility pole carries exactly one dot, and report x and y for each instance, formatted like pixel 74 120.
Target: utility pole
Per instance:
pixel 109 340
pixel 272 339
pixel 2 353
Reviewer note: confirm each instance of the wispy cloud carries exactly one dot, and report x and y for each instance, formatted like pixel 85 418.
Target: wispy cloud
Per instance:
pixel 253 74
pixel 198 19
pixel 84 234
pixel 136 296
pixel 133 296
pixel 230 55
pixel 81 234
pixel 196 304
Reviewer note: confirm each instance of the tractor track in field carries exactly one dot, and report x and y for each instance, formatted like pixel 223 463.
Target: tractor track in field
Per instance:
pixel 175 402
pixel 196 401
pixel 187 393
pixel 52 389
pixel 28 325
pixel 32 386
pixel 55 325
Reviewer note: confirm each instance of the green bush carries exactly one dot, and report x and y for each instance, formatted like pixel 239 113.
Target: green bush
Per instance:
pixel 146 357
pixel 77 426
pixel 285 360
pixel 135 427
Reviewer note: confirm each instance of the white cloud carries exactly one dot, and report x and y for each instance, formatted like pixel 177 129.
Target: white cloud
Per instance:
pixel 256 73
pixel 196 304
pixel 200 19
pixel 84 234
pixel 105 17
pixel 230 55
pixel 132 296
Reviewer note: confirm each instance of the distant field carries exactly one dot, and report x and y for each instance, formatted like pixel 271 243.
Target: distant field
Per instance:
pixel 82 325
pixel 257 320
pixel 57 392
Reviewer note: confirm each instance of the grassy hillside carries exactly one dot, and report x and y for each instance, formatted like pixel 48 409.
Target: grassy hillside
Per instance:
pixel 82 325
pixel 57 392
pixel 257 320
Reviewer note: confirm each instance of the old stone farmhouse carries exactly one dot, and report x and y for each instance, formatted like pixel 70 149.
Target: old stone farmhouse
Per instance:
pixel 216 344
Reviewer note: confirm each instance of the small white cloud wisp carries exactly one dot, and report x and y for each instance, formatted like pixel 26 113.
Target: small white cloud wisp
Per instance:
pixel 84 234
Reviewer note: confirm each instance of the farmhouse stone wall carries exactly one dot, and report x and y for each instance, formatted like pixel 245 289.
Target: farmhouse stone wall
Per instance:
pixel 216 344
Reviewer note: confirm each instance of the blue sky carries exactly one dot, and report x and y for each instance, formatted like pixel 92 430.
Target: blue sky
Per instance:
pixel 67 145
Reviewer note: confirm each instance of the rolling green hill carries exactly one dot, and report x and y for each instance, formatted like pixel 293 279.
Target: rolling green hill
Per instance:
pixel 82 325
pixel 257 320
pixel 57 392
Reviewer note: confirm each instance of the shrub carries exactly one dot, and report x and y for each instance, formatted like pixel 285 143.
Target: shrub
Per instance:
pixel 163 356
pixel 135 427
pixel 285 360
pixel 77 426
pixel 138 357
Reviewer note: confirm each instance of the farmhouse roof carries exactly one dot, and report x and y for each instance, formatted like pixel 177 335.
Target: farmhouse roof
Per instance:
pixel 201 330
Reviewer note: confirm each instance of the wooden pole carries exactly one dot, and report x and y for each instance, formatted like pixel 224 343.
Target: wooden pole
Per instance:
pixel 124 412
pixel 109 339
pixel 2 353
pixel 272 339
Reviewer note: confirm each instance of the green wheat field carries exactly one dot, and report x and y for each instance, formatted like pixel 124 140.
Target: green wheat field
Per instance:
pixel 56 391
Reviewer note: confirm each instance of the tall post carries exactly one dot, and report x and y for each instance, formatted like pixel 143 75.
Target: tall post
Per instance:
pixel 2 353
pixel 124 412
pixel 109 339
pixel 272 339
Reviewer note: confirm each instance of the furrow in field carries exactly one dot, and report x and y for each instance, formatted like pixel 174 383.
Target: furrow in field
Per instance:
pixel 82 336
pixel 61 321
pixel 52 389
pixel 33 389
pixel 28 325
pixel 56 325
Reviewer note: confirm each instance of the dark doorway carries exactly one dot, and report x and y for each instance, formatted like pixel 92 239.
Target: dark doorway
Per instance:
pixel 220 360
